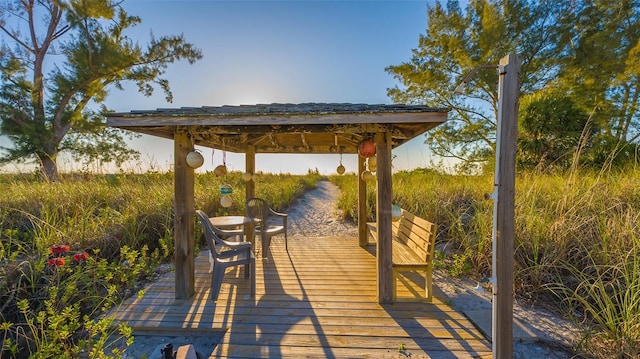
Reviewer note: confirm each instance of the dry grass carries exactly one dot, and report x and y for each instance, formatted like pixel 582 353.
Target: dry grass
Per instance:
pixel 577 237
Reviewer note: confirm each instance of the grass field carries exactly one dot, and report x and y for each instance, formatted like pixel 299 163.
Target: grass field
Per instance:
pixel 71 250
pixel 577 242
pixel 576 246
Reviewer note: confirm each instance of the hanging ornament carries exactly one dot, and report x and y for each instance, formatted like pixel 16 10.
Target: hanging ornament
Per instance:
pixel 366 175
pixel 372 162
pixel 340 168
pixel 195 159
pixel 367 148
pixel 226 191
pixel 220 170
pixel 226 201
pixel 247 176
pixel 396 212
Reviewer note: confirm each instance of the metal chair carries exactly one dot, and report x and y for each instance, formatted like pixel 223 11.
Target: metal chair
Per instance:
pixel 260 213
pixel 227 254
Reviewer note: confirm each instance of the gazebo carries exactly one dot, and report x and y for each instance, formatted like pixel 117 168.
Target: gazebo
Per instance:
pixel 312 128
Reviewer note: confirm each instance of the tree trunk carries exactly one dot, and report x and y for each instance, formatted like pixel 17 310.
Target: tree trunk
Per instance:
pixel 49 168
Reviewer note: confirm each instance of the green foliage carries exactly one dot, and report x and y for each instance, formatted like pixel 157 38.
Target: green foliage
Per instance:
pixel 53 311
pixel 600 66
pixel 576 243
pixel 348 201
pixel 279 190
pixel 577 58
pixel 457 41
pixel 45 113
pixel 125 224
pixel 550 129
pixel 604 299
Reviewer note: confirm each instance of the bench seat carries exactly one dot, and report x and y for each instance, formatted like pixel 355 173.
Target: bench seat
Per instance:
pixel 412 247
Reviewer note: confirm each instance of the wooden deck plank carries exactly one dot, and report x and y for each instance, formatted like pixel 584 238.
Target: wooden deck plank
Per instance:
pixel 318 300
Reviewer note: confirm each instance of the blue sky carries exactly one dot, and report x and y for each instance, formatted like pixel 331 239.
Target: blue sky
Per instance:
pixel 275 52
pixel 279 52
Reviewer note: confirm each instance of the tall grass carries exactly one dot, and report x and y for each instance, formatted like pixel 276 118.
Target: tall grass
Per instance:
pixel 125 224
pixel 604 299
pixel 576 241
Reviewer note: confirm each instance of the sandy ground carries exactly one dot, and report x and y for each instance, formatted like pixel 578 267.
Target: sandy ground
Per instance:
pixel 315 214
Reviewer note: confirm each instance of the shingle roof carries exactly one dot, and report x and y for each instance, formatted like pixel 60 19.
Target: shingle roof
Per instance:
pixel 280 109
pixel 285 128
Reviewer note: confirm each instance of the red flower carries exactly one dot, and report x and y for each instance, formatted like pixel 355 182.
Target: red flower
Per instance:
pixel 59 248
pixel 59 261
pixel 80 256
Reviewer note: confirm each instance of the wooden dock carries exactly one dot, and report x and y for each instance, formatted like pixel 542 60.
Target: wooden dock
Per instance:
pixel 317 301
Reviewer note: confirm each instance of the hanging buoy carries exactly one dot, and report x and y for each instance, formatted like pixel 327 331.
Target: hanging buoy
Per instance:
pixel 373 163
pixel 366 176
pixel 396 212
pixel 225 189
pixel 367 148
pixel 340 169
pixel 226 201
pixel 220 170
pixel 195 159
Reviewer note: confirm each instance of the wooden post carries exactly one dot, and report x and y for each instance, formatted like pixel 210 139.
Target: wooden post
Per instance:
pixel 383 217
pixel 250 186
pixel 504 213
pixel 363 231
pixel 184 230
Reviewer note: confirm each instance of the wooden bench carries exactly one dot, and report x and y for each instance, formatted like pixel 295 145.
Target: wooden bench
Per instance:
pixel 412 250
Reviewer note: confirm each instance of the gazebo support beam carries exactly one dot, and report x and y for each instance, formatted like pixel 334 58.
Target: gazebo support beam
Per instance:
pixel 363 231
pixel 184 228
pixel 250 186
pixel 383 217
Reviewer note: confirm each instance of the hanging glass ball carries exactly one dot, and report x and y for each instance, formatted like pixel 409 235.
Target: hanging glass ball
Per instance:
pixel 396 212
pixel 220 170
pixel 340 169
pixel 225 189
pixel 367 148
pixel 195 159
pixel 366 176
pixel 373 163
pixel 247 176
pixel 226 201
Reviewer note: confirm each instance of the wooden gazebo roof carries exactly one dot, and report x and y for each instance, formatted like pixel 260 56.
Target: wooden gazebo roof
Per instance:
pixel 285 128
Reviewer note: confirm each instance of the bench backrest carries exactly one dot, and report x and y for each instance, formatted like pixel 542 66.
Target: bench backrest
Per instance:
pixel 416 233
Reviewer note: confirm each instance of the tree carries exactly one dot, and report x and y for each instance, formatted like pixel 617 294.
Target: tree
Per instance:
pixel 45 111
pixel 601 66
pixel 552 128
pixel 586 52
pixel 457 42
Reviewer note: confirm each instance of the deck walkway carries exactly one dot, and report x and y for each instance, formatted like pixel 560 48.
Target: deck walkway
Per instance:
pixel 319 301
